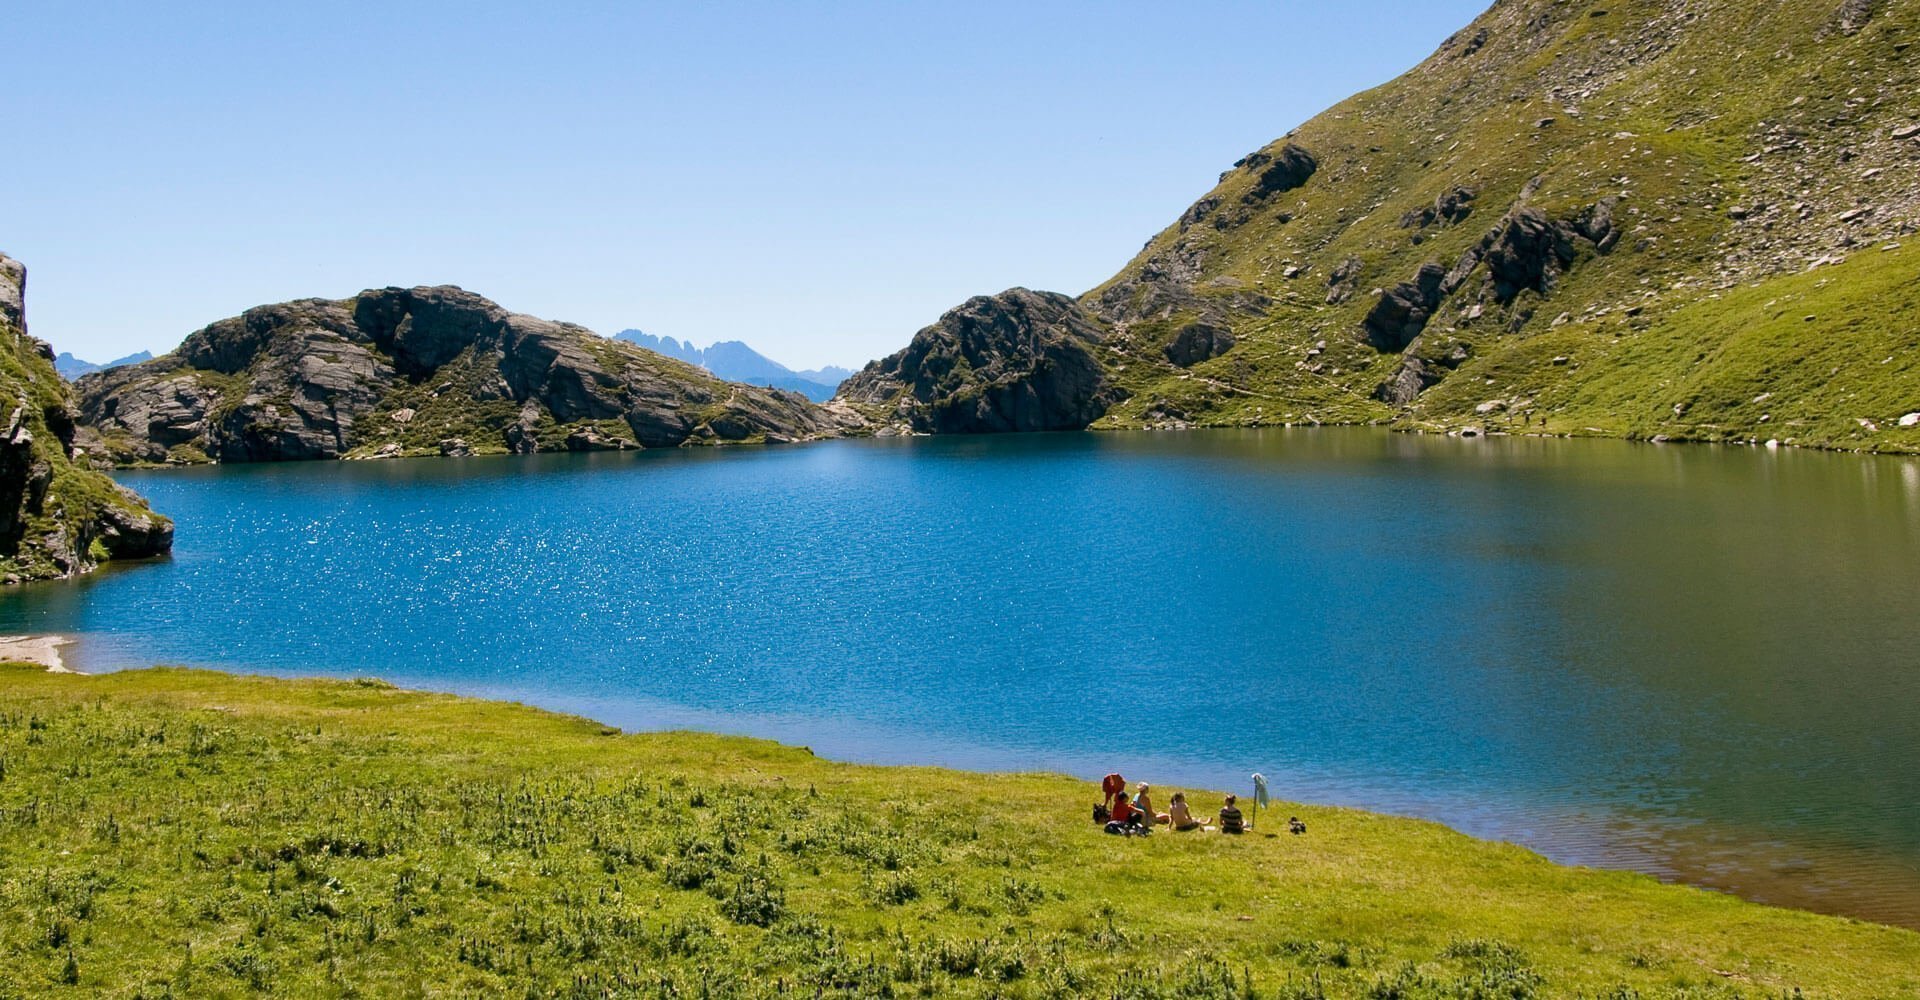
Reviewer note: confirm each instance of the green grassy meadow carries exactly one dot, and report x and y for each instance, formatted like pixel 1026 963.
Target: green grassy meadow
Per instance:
pixel 170 832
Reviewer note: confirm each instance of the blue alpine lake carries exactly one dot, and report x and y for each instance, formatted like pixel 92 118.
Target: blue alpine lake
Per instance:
pixel 1696 662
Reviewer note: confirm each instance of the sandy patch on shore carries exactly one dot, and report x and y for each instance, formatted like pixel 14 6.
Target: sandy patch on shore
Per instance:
pixel 41 649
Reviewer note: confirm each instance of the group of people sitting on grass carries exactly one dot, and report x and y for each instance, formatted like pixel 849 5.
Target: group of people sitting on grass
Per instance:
pixel 1124 815
pixel 1135 816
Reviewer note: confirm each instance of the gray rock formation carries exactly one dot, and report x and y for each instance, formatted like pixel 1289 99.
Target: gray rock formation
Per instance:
pixel 13 294
pixel 1285 170
pixel 1197 342
pixel 1017 361
pixel 1403 310
pixel 1450 208
pixel 420 368
pixel 1342 279
pixel 1420 369
pixel 57 517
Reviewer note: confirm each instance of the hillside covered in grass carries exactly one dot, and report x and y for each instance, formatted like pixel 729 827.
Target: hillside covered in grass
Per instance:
pixel 1651 218
pixel 58 517
pixel 185 833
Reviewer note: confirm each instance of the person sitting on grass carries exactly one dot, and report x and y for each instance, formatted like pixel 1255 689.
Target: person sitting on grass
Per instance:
pixel 1145 804
pixel 1230 819
pixel 1126 818
pixel 1180 816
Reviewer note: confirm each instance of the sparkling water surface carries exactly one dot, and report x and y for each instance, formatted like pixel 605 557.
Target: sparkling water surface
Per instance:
pixel 1701 663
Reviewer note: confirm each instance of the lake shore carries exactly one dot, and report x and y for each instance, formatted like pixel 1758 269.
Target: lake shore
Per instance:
pixel 41 649
pixel 578 832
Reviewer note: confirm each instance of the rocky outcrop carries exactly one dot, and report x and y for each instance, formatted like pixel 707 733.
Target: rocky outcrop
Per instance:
pixel 1420 369
pixel 1017 361
pixel 1403 310
pixel 1197 342
pixel 1287 168
pixel 57 517
pixel 1451 207
pixel 13 294
pixel 419 371
pixel 1342 280
pixel 1853 15
pixel 1528 252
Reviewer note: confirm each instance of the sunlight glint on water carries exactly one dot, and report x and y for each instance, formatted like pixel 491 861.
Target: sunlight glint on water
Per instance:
pixel 1690 661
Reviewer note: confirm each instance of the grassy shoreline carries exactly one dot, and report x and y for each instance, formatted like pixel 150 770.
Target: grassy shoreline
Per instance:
pixel 185 832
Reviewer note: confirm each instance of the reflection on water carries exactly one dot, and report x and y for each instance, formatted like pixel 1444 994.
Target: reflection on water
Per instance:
pixel 1691 661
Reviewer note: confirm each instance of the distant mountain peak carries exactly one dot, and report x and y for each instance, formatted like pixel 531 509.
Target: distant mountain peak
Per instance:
pixel 735 361
pixel 71 368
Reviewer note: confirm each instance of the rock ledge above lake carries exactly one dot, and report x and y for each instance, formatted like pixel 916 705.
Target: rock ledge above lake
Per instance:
pixel 57 517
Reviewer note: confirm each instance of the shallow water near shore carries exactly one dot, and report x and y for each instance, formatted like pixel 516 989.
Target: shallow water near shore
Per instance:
pixel 1691 661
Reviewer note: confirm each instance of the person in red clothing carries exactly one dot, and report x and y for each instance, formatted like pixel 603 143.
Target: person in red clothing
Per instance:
pixel 1126 817
pixel 1113 787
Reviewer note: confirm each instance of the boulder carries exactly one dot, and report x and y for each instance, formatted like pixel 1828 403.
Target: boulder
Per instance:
pixel 1422 366
pixel 591 439
pixel 1285 170
pixel 1854 15
pixel 1403 310
pixel 1197 342
pixel 1528 253
pixel 1451 207
pixel 1412 377
pixel 1342 280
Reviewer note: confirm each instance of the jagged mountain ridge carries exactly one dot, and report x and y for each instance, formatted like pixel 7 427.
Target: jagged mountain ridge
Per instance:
pixel 420 371
pixel 1678 218
pixel 734 361
pixel 71 368
pixel 57 517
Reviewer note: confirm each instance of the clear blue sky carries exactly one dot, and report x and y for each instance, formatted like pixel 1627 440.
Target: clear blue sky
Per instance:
pixel 817 179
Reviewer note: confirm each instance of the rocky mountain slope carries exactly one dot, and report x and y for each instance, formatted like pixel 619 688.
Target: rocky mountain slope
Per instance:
pixel 1017 361
pixel 1691 219
pixel 420 371
pixel 734 361
pixel 57 517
